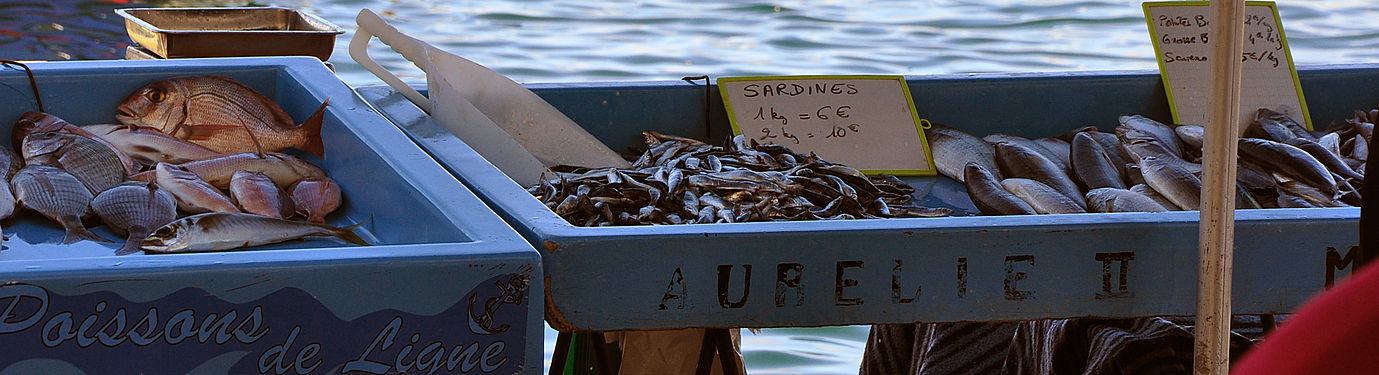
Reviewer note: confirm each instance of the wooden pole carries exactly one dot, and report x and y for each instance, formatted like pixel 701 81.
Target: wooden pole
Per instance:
pixel 1216 240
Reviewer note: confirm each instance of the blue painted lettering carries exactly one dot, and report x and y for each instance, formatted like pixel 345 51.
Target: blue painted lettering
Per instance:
pixel 278 352
pixel 181 326
pixel 62 322
pixel 16 293
pixel 492 351
pixel 385 339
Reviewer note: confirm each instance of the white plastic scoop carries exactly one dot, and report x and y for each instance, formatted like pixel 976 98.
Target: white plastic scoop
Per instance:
pixel 509 125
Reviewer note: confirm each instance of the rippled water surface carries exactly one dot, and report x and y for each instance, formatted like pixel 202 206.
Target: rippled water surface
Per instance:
pixel 602 40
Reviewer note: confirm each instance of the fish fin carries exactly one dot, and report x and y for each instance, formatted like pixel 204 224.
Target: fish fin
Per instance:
pixel 78 234
pixel 131 246
pixel 205 131
pixel 312 129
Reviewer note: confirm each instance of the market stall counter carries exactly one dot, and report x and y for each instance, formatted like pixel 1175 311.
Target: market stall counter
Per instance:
pixel 965 267
pixel 443 283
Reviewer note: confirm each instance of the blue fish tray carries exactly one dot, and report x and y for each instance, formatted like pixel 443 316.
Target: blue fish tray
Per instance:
pixel 962 268
pixel 441 258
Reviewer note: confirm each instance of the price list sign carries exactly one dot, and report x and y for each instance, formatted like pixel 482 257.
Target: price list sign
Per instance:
pixel 865 122
pixel 1180 33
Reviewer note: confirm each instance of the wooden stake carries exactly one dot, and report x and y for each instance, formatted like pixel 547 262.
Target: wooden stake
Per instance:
pixel 1216 241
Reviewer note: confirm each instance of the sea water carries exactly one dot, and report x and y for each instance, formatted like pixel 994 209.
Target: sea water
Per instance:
pixel 617 40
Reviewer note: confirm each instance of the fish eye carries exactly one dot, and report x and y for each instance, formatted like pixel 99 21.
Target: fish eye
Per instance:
pixel 156 96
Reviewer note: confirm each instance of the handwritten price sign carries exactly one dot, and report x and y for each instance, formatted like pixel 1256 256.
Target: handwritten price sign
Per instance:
pixel 866 122
pixel 1179 30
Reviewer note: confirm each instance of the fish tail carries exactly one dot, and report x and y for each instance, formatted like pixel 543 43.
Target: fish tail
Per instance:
pixel 131 246
pixel 312 130
pixel 347 234
pixel 78 233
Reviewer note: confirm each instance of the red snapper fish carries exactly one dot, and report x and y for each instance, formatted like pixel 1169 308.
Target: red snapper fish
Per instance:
pixel 220 114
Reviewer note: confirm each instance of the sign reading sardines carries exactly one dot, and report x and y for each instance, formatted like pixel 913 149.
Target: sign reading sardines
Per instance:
pixel 1268 79
pixel 867 122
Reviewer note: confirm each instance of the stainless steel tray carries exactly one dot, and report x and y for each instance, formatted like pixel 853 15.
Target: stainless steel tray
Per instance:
pixel 222 32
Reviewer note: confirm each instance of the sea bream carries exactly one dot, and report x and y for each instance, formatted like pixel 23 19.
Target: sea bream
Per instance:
pixel 57 195
pixel 135 209
pixel 217 231
pixel 315 197
pixel 255 193
pixel 39 122
pixel 220 114
pixel 193 194
pixel 96 165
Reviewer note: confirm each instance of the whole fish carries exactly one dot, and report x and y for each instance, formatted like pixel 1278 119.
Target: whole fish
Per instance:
pixel 1361 150
pixel 1061 150
pixel 953 149
pixel 1091 166
pixel 10 162
pixel 14 163
pixel 1147 191
pixel 316 197
pixel 1162 133
pixel 1331 142
pixel 1276 126
pixel 39 122
pixel 283 169
pixel 193 194
pixel 1020 161
pixel 256 194
pixel 1043 198
pixel 1286 200
pixel 989 196
pixel 1191 135
pixel 1114 149
pixel 1288 184
pixel 1141 144
pixel 134 209
pixel 97 166
pixel 148 146
pixel 1331 161
pixel 1172 181
pixel 215 231
pixel 1120 200
pixel 1028 144
pixel 220 114
pixel 57 195
pixel 1280 157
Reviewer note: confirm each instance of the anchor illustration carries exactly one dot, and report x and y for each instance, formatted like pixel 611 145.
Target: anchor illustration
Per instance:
pixel 511 293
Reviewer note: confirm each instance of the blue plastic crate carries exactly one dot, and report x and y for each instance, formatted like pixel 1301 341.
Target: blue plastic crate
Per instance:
pixel 447 285
pixel 972 268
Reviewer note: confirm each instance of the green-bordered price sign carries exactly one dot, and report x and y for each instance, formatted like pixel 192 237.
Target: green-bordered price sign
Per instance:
pixel 1268 79
pixel 865 122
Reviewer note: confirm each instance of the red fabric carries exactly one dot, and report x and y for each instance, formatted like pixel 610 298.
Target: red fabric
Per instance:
pixel 1336 332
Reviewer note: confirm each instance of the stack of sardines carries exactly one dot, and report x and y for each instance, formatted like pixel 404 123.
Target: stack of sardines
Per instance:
pixel 182 145
pixel 686 181
pixel 1146 166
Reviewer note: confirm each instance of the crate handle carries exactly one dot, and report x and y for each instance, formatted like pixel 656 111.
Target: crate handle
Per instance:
pixel 371 25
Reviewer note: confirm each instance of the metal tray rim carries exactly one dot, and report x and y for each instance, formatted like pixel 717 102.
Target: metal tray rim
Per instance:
pixel 125 12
